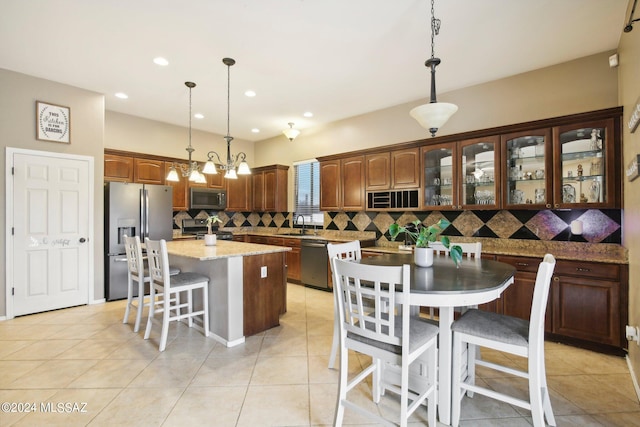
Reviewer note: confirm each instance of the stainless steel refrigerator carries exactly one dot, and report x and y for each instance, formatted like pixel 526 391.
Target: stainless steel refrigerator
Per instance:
pixel 134 210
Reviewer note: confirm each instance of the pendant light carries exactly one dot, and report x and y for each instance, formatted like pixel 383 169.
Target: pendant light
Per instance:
pixel 190 170
pixel 238 161
pixel 291 133
pixel 435 114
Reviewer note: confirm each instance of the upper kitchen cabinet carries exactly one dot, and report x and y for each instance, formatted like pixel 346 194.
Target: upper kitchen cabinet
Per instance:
pixel 239 194
pixel 528 172
pixel 393 170
pixel 180 190
pixel 148 171
pixel 118 168
pixel 342 183
pixel 462 175
pixel 585 172
pixel 393 179
pixel 440 176
pixel 270 185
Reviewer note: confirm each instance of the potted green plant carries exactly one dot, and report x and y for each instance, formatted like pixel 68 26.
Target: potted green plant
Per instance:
pixel 422 235
pixel 210 238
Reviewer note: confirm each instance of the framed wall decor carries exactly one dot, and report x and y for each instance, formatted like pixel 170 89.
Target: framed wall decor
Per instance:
pixel 53 122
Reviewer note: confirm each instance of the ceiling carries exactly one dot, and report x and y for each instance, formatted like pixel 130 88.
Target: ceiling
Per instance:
pixel 334 58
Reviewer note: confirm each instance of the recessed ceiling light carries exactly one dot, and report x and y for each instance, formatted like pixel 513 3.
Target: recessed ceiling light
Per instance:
pixel 250 93
pixel 160 61
pixel 198 116
pixel 255 130
pixel 308 114
pixel 122 95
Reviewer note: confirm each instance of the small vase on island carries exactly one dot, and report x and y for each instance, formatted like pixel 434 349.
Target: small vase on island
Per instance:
pixel 423 257
pixel 210 239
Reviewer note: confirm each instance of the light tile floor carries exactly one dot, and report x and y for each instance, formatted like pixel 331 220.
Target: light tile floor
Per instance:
pixel 85 355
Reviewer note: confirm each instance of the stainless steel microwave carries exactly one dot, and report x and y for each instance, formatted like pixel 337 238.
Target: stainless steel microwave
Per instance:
pixel 208 198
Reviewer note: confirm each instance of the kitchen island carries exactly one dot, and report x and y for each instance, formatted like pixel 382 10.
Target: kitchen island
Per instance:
pixel 247 287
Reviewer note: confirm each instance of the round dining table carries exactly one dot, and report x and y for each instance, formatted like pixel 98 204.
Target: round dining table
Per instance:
pixel 447 286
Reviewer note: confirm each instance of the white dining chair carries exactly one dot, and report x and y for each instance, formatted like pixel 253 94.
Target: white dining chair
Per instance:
pixel 138 274
pixel 511 335
pixel 347 251
pixel 469 250
pixel 394 340
pixel 171 287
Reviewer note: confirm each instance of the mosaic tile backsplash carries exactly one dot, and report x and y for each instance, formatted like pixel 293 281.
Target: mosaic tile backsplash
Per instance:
pixel 599 225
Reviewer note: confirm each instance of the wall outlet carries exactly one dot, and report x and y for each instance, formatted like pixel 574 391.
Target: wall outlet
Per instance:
pixel 263 271
pixel 633 334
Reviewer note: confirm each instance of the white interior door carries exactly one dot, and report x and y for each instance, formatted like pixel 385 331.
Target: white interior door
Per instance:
pixel 51 218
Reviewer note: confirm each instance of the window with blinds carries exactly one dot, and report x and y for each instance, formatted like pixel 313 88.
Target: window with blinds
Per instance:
pixel 307 192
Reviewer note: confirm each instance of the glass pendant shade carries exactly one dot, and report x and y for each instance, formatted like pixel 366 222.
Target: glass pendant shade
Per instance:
pixel 201 179
pixel 434 115
pixel 243 169
pixel 210 168
pixel 231 174
pixel 173 175
pixel 194 175
pixel 291 133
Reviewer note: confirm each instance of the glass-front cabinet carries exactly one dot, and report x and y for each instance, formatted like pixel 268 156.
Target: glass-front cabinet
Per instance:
pixel 479 173
pixel 439 176
pixel 584 169
pixel 528 170
pixel 461 175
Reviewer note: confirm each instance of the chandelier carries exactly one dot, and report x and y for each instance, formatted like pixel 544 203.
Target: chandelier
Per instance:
pixel 239 161
pixel 191 169
pixel 435 114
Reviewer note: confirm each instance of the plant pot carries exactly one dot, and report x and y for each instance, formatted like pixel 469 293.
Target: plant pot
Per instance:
pixel 423 257
pixel 210 240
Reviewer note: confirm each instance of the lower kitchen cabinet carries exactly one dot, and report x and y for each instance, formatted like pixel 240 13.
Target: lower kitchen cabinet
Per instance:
pixel 587 303
pixel 294 271
pixel 264 298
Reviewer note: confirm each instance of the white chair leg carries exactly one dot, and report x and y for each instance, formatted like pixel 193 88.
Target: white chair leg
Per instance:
pixel 432 373
pixel 471 366
pixel 456 396
pixel 404 395
pixel 205 307
pixel 140 307
pixel 336 339
pixel 166 314
pixel 129 299
pixel 190 306
pixel 152 311
pixel 342 388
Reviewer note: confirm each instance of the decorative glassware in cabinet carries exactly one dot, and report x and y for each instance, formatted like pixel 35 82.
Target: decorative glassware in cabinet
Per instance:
pixel 583 165
pixel 439 190
pixel 478 173
pixel 527 172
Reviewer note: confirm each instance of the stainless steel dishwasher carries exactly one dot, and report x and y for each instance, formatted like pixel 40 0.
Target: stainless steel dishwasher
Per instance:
pixel 314 263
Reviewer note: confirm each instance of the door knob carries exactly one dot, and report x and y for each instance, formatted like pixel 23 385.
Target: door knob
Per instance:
pixel 82 240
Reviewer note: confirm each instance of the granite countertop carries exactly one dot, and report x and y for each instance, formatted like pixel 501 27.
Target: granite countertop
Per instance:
pixel 572 251
pixel 333 236
pixel 223 249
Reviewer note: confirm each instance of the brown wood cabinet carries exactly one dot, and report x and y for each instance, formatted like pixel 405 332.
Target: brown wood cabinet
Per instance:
pixel 148 171
pixel 294 271
pixel 397 169
pixel 587 303
pixel 180 190
pixel 378 171
pixel 239 194
pixel 264 298
pixel 342 183
pixel 118 168
pixel 270 186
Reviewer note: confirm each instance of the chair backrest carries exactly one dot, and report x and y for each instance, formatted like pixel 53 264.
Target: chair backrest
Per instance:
pixel 135 261
pixel 348 251
pixel 469 250
pixel 540 297
pixel 356 283
pixel 158 261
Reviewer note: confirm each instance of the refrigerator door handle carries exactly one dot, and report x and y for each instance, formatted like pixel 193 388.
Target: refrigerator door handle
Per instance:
pixel 144 215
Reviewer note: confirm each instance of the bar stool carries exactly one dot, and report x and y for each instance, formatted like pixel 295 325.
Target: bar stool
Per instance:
pixel 163 282
pixel 135 271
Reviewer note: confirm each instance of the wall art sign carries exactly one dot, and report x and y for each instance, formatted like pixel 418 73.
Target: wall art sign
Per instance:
pixel 632 168
pixel 53 122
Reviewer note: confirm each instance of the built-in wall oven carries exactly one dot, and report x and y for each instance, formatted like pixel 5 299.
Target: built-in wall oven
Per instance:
pixel 314 263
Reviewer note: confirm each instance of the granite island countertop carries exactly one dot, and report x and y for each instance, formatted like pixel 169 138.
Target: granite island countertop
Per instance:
pixel 223 249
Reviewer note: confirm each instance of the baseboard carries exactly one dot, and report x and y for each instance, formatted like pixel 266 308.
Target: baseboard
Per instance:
pixel 634 378
pixel 3 318
pixel 98 301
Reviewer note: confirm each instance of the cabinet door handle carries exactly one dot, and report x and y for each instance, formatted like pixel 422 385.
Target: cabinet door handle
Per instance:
pixel 556 205
pixel 556 278
pixel 548 205
pixel 522 264
pixel 582 269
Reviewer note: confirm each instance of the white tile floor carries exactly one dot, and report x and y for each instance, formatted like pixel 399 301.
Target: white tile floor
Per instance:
pixel 280 378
